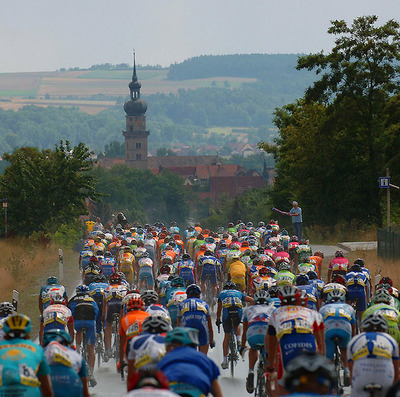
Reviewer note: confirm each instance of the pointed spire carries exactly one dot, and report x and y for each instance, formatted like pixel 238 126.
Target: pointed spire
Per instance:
pixel 134 85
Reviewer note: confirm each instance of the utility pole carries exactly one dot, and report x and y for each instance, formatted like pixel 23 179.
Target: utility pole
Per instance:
pixel 388 199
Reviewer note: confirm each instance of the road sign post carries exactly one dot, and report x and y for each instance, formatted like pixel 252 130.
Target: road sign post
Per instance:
pixel 384 183
pixel 60 264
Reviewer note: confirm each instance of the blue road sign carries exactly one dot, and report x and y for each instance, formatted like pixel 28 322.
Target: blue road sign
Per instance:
pixel 384 182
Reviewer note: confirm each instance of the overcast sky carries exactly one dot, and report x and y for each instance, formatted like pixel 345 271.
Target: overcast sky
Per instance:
pixel 46 35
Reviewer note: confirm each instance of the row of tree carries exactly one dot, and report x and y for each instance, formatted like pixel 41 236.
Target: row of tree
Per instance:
pixel 338 139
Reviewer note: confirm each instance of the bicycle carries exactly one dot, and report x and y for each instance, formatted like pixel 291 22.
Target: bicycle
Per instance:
pixel 233 352
pixel 339 368
pixel 373 389
pixel 261 382
pixel 99 348
pixel 209 296
pixel 115 335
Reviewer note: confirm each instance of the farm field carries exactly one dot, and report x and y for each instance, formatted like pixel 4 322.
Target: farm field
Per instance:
pixel 74 88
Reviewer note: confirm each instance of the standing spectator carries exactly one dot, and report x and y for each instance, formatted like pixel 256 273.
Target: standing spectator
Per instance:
pixel 297 220
pixel 98 225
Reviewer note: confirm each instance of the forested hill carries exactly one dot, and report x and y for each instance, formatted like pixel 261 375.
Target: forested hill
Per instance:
pixel 212 102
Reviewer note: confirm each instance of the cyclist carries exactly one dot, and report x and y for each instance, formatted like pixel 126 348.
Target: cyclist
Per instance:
pixel 255 324
pixel 230 305
pixel 85 311
pixel 84 255
pixel 186 269
pixel 340 322
pixel 68 368
pixel 310 374
pixel 144 351
pixel 6 309
pixel 23 368
pixel 356 282
pixel 317 260
pixel 381 303
pixel 303 284
pixel 108 264
pixel 145 273
pixel 284 275
pixel 96 290
pixel 194 312
pixel 173 305
pixel 187 370
pixel 56 316
pixel 51 284
pixel 338 282
pixel 130 325
pixel 209 266
pixel 339 264
pixel 373 357
pixel 296 328
pixel 126 262
pixel 113 296
pixel 237 270
pixel 91 270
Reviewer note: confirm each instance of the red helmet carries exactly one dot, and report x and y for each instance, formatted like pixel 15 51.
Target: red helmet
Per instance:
pixel 338 278
pixel 135 303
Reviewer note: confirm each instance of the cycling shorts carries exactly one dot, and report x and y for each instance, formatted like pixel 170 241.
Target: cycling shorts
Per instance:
pixel 256 333
pixel 113 307
pixel 209 272
pixel 233 317
pixel 146 272
pixel 90 326
pixel 359 295
pixel 371 370
pixel 344 339
pixel 295 344
pixel 202 326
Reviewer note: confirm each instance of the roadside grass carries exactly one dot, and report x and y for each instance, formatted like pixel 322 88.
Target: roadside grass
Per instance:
pixel 25 266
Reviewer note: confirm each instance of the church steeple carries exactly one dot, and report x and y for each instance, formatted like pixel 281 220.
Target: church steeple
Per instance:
pixel 136 135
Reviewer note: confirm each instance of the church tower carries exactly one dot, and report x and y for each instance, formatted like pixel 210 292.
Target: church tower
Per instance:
pixel 135 134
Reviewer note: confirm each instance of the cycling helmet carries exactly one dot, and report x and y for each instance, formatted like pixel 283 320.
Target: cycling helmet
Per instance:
pixel 55 296
pixel 230 285
pixel 386 280
pixel 177 282
pixel 312 275
pixel 261 297
pixel 283 266
pixel 17 326
pixel 303 298
pixel 223 245
pixel 355 268
pixel 208 252
pixel 58 335
pixel 165 269
pixel 99 278
pixel 261 224
pixel 302 279
pixel 115 278
pixel 6 308
pixel 290 295
pixel 309 368
pixel 155 324
pixel 382 296
pixel 183 336
pixel 279 248
pixel 374 322
pixel 52 280
pixel 82 289
pixel 234 255
pixel 338 278
pixel 336 295
pixel 108 254
pixel 319 253
pixel 339 253
pixel 186 257
pixel 93 259
pixel 360 262
pixel 193 291
pixel 294 239
pixel 263 271
pixel 305 259
pixel 149 297
pixel 145 378
pixel 135 303
pixel 273 291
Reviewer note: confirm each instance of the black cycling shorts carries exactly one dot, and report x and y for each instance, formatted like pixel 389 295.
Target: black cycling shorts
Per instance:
pixel 233 317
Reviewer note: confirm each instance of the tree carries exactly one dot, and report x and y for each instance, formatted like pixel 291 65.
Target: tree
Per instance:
pixel 47 188
pixel 345 148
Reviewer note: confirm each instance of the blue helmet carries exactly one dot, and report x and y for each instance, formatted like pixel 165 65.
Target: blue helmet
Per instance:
pixel 193 291
pixel 52 280
pixel 58 335
pixel 82 289
pixel 183 336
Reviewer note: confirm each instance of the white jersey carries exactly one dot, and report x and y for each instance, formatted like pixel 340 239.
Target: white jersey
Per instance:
pixel 57 314
pixel 57 354
pixel 146 350
pixel 117 291
pixel 151 392
pixel 257 313
pixel 290 320
pixel 372 354
pixel 145 262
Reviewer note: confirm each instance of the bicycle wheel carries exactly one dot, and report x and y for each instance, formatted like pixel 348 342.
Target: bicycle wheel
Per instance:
pixel 84 350
pixel 116 337
pixel 261 384
pixel 232 349
pixel 338 369
pixel 99 349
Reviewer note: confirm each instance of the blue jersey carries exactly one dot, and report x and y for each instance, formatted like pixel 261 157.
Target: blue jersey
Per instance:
pixel 338 315
pixel 355 280
pixel 97 289
pixel 186 270
pixel 45 289
pixel 187 365
pixel 21 363
pixel 108 266
pixel 312 295
pixel 83 307
pixel 85 257
pixel 210 263
pixel 231 298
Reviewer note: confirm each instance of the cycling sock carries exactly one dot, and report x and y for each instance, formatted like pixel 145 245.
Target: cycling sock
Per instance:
pixel 251 371
pixel 225 359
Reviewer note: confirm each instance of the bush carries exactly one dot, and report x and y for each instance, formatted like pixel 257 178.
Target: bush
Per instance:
pixel 68 235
